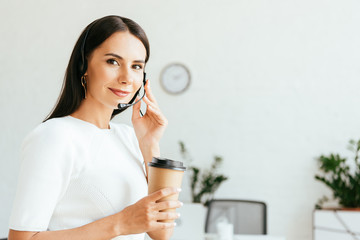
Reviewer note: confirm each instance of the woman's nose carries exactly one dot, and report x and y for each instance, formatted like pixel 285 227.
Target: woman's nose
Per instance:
pixel 125 76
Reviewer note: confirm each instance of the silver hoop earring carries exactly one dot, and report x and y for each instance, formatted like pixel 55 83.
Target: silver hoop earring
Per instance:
pixel 83 83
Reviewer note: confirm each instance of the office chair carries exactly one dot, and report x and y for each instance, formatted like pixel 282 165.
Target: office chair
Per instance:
pixel 248 217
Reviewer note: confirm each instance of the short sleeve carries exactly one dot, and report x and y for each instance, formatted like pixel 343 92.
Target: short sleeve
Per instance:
pixel 46 168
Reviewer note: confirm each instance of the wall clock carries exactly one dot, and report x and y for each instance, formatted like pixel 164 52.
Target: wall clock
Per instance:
pixel 175 78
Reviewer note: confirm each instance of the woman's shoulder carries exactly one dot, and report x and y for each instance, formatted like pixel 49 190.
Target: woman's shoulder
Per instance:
pixel 62 129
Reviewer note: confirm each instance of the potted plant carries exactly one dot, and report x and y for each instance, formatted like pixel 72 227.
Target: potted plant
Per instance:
pixel 343 178
pixel 203 182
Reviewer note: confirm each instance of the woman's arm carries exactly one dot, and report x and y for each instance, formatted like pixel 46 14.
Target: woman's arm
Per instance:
pixel 149 128
pixel 104 228
pixel 140 217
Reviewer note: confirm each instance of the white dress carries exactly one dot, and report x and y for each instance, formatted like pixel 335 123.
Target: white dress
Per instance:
pixel 73 173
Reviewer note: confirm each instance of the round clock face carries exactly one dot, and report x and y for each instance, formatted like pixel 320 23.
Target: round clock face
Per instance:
pixel 175 78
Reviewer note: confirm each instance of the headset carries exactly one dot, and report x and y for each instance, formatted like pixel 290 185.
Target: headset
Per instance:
pixel 83 68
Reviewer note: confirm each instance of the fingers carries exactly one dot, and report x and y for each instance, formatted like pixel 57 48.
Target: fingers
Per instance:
pixel 149 99
pixel 152 106
pixel 149 93
pixel 164 225
pixel 150 103
pixel 163 193
pixel 136 109
pixel 154 112
pixel 167 204
pixel 168 215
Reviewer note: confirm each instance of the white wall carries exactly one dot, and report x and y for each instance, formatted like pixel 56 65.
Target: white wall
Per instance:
pixel 275 84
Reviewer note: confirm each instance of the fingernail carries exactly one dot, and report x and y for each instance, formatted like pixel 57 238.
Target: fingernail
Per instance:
pixel 181 204
pixel 178 189
pixel 178 215
pixel 174 224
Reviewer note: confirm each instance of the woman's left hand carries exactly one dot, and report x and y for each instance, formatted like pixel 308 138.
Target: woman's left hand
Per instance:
pixel 150 127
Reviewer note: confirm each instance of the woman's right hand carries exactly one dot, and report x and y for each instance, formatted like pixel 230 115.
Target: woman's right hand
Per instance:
pixel 143 216
pixel 140 217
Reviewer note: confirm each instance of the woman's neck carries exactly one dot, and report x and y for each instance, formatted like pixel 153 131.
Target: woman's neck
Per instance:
pixel 93 112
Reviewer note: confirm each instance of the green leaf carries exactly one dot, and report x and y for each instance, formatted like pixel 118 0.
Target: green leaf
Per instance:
pixel 338 177
pixel 203 182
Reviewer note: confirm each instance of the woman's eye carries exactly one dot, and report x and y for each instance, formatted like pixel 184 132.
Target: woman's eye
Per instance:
pixel 112 62
pixel 137 67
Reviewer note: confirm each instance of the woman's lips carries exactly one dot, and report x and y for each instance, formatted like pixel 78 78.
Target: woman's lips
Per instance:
pixel 119 93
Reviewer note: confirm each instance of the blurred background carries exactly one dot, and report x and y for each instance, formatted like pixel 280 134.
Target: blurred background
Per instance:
pixel 274 84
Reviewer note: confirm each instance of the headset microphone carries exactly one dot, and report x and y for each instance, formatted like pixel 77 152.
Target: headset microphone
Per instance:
pixel 126 105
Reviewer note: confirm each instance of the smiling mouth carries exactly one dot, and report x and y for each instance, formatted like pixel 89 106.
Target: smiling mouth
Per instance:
pixel 119 93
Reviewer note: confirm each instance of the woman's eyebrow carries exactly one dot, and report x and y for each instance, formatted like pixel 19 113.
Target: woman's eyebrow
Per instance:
pixel 119 57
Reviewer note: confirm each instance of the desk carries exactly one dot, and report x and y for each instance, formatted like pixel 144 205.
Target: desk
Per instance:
pixel 245 237
pixel 209 236
pixel 332 224
pixel 191 226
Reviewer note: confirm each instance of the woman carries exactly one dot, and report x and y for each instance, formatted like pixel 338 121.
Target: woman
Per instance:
pixel 82 176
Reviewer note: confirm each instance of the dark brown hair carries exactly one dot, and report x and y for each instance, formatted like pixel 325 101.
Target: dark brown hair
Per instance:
pixel 92 37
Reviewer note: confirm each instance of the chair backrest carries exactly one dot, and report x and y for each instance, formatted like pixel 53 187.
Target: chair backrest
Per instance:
pixel 248 217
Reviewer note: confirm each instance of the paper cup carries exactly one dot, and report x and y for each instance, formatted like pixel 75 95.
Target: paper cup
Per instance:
pixel 165 173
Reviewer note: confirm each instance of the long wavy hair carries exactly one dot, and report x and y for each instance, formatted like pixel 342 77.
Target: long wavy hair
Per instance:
pixel 92 37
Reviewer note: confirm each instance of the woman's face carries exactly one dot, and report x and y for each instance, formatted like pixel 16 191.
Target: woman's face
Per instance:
pixel 115 70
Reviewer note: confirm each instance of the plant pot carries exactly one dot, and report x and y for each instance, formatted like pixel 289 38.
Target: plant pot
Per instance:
pixel 335 224
pixel 191 221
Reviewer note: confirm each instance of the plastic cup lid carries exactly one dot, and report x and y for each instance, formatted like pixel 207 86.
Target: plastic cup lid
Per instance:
pixel 166 163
